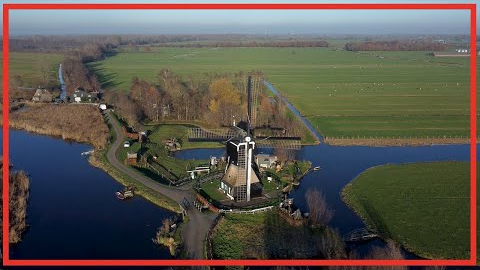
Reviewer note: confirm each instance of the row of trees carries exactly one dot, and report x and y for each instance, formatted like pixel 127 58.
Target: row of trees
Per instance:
pixel 56 43
pixel 279 44
pixel 216 99
pixel 76 75
pixel 396 46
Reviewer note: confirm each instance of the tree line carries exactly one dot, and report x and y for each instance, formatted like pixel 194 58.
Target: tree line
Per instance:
pixel 59 43
pixel 396 46
pixel 272 44
pixel 215 99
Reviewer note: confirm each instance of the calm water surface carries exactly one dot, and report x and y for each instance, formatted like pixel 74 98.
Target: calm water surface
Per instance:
pixel 73 212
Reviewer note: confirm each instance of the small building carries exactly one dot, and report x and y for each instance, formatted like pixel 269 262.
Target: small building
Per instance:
pixel 131 158
pixel 265 161
pixel 42 95
pixel 80 95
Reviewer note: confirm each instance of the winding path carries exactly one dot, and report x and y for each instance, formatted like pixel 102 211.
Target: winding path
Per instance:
pixel 195 230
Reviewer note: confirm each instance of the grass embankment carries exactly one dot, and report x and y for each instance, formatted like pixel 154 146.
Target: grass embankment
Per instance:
pixel 422 206
pixel 19 186
pixel 341 93
pixel 263 236
pixel 98 159
pixel 82 123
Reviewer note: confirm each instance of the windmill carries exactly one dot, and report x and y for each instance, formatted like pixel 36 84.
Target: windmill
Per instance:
pixel 241 142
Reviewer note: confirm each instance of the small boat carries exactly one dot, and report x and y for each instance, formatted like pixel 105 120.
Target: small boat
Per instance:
pixel 124 195
pixel 87 153
pixel 316 168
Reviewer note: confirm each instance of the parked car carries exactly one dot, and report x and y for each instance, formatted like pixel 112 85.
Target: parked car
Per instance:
pixel 126 144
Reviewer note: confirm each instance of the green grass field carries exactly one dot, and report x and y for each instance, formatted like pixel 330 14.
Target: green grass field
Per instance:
pixel 28 66
pixel 423 206
pixel 341 93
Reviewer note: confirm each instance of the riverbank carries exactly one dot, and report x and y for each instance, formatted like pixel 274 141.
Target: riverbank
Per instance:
pixel 379 142
pixel 422 206
pixel 81 123
pixel 98 159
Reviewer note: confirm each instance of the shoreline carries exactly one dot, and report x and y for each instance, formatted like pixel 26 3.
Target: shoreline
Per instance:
pixel 396 142
pixel 96 160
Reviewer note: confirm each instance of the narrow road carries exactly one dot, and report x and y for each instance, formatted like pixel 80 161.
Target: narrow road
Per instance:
pixel 198 224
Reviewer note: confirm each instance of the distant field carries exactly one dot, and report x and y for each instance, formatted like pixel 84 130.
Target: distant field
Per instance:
pixel 28 66
pixel 423 206
pixel 406 94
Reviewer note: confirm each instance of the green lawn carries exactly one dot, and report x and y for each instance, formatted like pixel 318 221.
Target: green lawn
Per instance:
pixel 28 66
pixel 341 93
pixel 423 206
pixel 122 151
pixel 212 189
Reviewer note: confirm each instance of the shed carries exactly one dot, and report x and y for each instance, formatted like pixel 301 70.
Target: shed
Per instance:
pixel 265 160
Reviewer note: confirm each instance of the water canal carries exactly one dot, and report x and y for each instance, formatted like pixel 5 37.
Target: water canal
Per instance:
pixel 73 212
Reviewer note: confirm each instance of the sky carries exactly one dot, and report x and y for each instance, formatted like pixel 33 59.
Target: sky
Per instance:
pixel 316 22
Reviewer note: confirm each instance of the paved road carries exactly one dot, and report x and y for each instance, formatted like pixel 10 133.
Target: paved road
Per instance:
pixel 198 224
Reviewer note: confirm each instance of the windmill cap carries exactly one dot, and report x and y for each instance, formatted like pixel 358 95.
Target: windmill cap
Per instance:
pixel 248 139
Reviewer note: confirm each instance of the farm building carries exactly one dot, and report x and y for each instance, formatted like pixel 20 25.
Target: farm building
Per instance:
pixel 230 182
pixel 80 95
pixel 265 160
pixel 131 158
pixel 42 95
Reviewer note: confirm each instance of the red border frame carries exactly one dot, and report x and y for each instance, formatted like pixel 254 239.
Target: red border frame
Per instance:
pixel 473 125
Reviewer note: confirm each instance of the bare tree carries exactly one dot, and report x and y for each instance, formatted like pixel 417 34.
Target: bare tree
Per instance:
pixel 320 213
pixel 331 245
pixel 390 252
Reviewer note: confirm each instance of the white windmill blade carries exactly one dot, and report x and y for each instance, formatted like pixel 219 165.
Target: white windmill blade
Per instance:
pixel 281 144
pixel 212 134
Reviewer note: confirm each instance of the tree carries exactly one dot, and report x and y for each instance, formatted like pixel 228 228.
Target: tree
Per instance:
pixel 225 99
pixel 331 245
pixel 320 213
pixel 390 252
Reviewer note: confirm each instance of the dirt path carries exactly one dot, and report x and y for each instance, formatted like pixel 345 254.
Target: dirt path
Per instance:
pixel 198 224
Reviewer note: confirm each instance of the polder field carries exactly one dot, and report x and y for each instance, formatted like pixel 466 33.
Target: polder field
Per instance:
pixel 28 67
pixel 341 93
pixel 422 206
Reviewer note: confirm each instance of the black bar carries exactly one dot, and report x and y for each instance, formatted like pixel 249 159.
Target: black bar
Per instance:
pixel 249 102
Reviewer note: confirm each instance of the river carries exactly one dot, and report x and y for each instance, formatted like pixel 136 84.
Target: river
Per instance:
pixel 73 212
pixel 63 86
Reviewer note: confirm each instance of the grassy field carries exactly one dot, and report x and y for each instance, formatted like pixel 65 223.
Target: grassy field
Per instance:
pixel 28 66
pixel 423 206
pixel 349 94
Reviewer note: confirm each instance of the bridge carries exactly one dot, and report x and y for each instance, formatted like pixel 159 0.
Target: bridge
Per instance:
pixel 359 235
